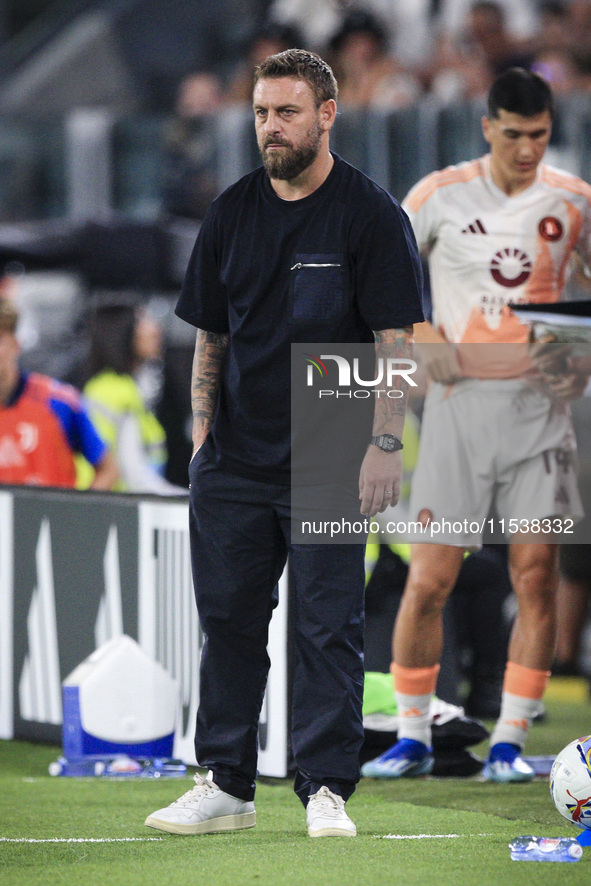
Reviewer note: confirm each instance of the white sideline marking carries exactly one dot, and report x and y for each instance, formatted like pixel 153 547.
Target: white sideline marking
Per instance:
pixel 82 840
pixel 428 836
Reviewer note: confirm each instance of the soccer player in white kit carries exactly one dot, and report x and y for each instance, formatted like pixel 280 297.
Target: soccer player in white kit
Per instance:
pixel 497 230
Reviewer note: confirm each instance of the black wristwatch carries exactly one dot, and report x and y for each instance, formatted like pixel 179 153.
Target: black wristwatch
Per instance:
pixel 387 443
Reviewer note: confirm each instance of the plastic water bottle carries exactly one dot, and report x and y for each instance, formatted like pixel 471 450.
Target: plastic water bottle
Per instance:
pixel 545 849
pixel 120 766
pixel 82 768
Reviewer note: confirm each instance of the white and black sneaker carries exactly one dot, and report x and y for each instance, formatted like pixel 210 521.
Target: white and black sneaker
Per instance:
pixel 326 816
pixel 205 809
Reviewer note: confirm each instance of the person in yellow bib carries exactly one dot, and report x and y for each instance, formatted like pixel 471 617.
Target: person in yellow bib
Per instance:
pixel 122 338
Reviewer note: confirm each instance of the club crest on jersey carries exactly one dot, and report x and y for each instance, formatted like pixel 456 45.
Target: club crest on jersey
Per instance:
pixel 510 267
pixel 551 228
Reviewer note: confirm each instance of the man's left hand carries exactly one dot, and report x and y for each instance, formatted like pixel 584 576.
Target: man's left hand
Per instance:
pixel 379 480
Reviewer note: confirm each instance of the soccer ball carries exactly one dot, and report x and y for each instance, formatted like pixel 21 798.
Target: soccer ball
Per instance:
pixel 570 782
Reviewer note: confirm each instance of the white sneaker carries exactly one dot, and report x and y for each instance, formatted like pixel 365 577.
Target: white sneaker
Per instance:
pixel 205 809
pixel 326 816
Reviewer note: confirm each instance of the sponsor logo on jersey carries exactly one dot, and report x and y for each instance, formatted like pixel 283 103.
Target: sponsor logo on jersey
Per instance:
pixel 510 267
pixel 551 228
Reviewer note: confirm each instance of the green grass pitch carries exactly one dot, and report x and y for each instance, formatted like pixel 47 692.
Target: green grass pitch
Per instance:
pixel 445 832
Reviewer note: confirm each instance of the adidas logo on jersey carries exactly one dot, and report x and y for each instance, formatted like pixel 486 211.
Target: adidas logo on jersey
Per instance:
pixel 475 228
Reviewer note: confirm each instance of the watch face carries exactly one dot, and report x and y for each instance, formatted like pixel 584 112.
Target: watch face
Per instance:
pixel 387 442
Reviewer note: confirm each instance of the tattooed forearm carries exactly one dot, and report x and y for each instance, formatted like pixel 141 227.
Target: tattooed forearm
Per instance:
pixel 389 411
pixel 210 348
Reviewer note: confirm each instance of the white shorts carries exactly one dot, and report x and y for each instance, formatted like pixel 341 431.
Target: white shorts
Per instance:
pixel 488 443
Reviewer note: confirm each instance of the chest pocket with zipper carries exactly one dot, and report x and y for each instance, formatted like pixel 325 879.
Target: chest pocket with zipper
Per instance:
pixel 317 286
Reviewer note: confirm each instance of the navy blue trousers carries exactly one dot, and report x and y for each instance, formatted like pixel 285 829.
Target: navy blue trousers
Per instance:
pixel 240 540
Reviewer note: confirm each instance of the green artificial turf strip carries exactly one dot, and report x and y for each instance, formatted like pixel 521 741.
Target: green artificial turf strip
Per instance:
pixel 35 806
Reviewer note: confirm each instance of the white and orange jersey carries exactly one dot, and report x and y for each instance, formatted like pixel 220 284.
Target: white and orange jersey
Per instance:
pixel 487 250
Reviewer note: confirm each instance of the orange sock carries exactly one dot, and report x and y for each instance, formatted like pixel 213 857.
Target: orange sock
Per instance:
pixel 526 682
pixel 414 689
pixel 523 689
pixel 414 681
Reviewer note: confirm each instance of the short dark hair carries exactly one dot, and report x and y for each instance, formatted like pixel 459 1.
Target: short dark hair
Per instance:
pixel 520 92
pixel 303 65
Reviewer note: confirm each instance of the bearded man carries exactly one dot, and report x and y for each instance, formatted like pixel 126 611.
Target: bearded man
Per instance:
pixel 304 249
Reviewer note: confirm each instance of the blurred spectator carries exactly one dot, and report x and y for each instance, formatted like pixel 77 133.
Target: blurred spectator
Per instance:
pixel 199 92
pixel 147 348
pixel 582 64
pixel 368 75
pixel 317 22
pixel 467 59
pixel 579 24
pixel 553 31
pixel 122 338
pixel 44 423
pixel 562 45
pixel 578 31
pixel 521 17
pixel 408 25
pixel 190 182
pixel 486 28
pixel 269 40
pixel 553 55
pixel 558 68
pixel 458 72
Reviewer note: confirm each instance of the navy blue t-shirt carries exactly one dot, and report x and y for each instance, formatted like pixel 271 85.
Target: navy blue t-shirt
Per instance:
pixel 330 267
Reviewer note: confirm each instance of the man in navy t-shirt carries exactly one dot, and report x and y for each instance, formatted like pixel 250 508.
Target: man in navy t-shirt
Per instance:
pixel 304 249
